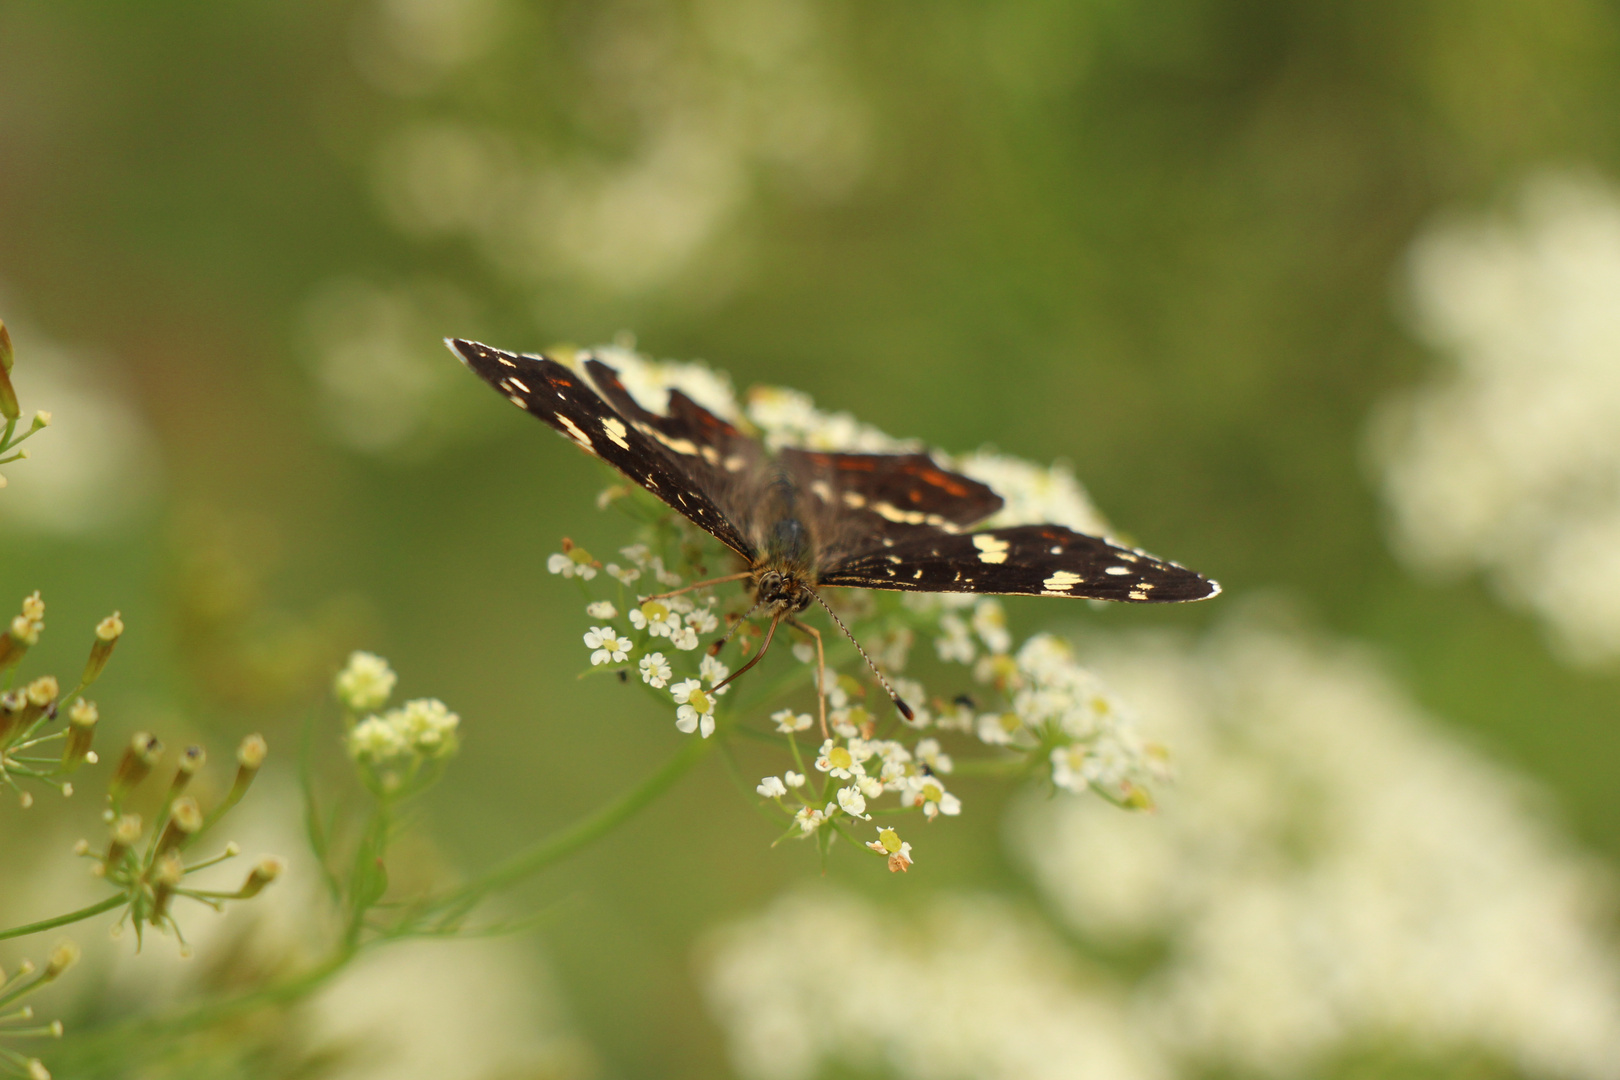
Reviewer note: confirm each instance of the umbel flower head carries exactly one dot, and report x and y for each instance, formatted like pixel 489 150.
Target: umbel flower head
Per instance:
pixel 848 766
pixel 401 751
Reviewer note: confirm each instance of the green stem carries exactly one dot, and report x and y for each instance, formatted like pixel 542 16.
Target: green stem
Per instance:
pixel 576 836
pixel 113 901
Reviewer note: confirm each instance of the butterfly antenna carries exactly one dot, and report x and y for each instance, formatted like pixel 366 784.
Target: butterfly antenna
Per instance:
pixel 714 650
pixel 763 649
pixel 899 703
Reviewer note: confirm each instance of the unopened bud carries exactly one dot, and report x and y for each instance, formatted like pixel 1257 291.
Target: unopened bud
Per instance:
pixel 1136 797
pixel 268 869
pixel 126 831
pixel 108 631
pixel 250 755
pixel 64 956
pixel 143 753
pixel 42 419
pixel 6 354
pixel 167 875
pixel 185 818
pixel 37 1070
pixel 191 760
pixel 82 719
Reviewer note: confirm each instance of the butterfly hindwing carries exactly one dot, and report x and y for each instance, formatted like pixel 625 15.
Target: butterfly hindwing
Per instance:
pixel 557 395
pixel 1037 560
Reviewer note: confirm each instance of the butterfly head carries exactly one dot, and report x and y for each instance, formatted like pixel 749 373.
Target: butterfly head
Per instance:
pixel 782 590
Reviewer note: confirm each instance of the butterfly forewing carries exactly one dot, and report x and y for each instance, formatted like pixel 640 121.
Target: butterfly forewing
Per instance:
pixel 1036 560
pixel 879 521
pixel 561 398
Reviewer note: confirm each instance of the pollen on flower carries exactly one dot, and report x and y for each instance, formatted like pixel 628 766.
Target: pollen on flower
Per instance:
pixel 365 682
pixel 655 670
pixel 696 712
pixel 685 639
pixel 809 819
pixel 655 617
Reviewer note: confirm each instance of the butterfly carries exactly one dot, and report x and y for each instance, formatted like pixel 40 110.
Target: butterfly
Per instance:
pixel 803 519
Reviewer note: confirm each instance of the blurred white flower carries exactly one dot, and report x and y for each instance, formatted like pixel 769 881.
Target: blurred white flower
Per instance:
pixel 1330 871
pixel 365 682
pixel 96 466
pixel 718 100
pixel 376 356
pixel 1509 461
pixel 962 990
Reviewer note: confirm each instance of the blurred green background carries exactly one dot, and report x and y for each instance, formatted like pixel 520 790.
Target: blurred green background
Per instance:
pixel 1163 242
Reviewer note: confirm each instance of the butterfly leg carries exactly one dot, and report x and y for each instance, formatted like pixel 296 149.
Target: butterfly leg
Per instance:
pixel 699 585
pixel 821 671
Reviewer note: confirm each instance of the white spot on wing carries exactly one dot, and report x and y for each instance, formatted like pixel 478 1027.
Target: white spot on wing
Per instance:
pixel 992 549
pixel 575 433
pixel 615 431
pixel 1117 570
pixel 1062 580
pixel 518 383
pixel 856 500
pixel 820 490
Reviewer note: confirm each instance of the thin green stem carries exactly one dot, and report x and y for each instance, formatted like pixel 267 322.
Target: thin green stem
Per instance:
pixel 576 836
pixel 114 901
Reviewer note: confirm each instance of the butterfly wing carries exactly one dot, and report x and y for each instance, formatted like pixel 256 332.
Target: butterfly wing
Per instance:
pixel 1034 560
pixel 557 395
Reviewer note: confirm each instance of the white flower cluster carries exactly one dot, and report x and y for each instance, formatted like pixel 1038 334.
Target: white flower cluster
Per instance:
pixel 962 990
pixel 365 683
pixel 1508 462
pixel 423 728
pixel 1330 873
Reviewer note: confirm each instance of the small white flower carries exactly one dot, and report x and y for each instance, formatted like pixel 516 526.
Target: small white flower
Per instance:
pixel 703 621
pixel 809 819
pixel 715 672
pixel 609 646
pixel 365 682
pixel 685 638
pixel 837 761
pixel 788 722
pixel 1068 768
pixel 898 851
pixel 636 553
pixel 655 670
pixel 602 609
pixel 990 621
pixel 870 786
pixel 655 617
pixel 852 802
pixel 427 724
pixel 793 779
pixel 375 739
pixel 929 754
pixel 627 575
pixel 931 794
pixel 575 562
pixel 696 712
pixel 957 644
pixel 804 652
pixel 772 787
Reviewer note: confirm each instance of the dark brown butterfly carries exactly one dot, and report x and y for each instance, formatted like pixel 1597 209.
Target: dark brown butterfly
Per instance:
pixel 805 519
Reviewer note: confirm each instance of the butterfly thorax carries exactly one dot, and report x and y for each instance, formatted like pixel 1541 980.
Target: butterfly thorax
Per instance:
pixel 785 570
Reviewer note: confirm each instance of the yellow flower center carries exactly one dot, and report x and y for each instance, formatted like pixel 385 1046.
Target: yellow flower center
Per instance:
pixel 579 555
pixel 654 611
pixel 890 840
pixel 932 793
pixel 839 758
pixel 698 700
